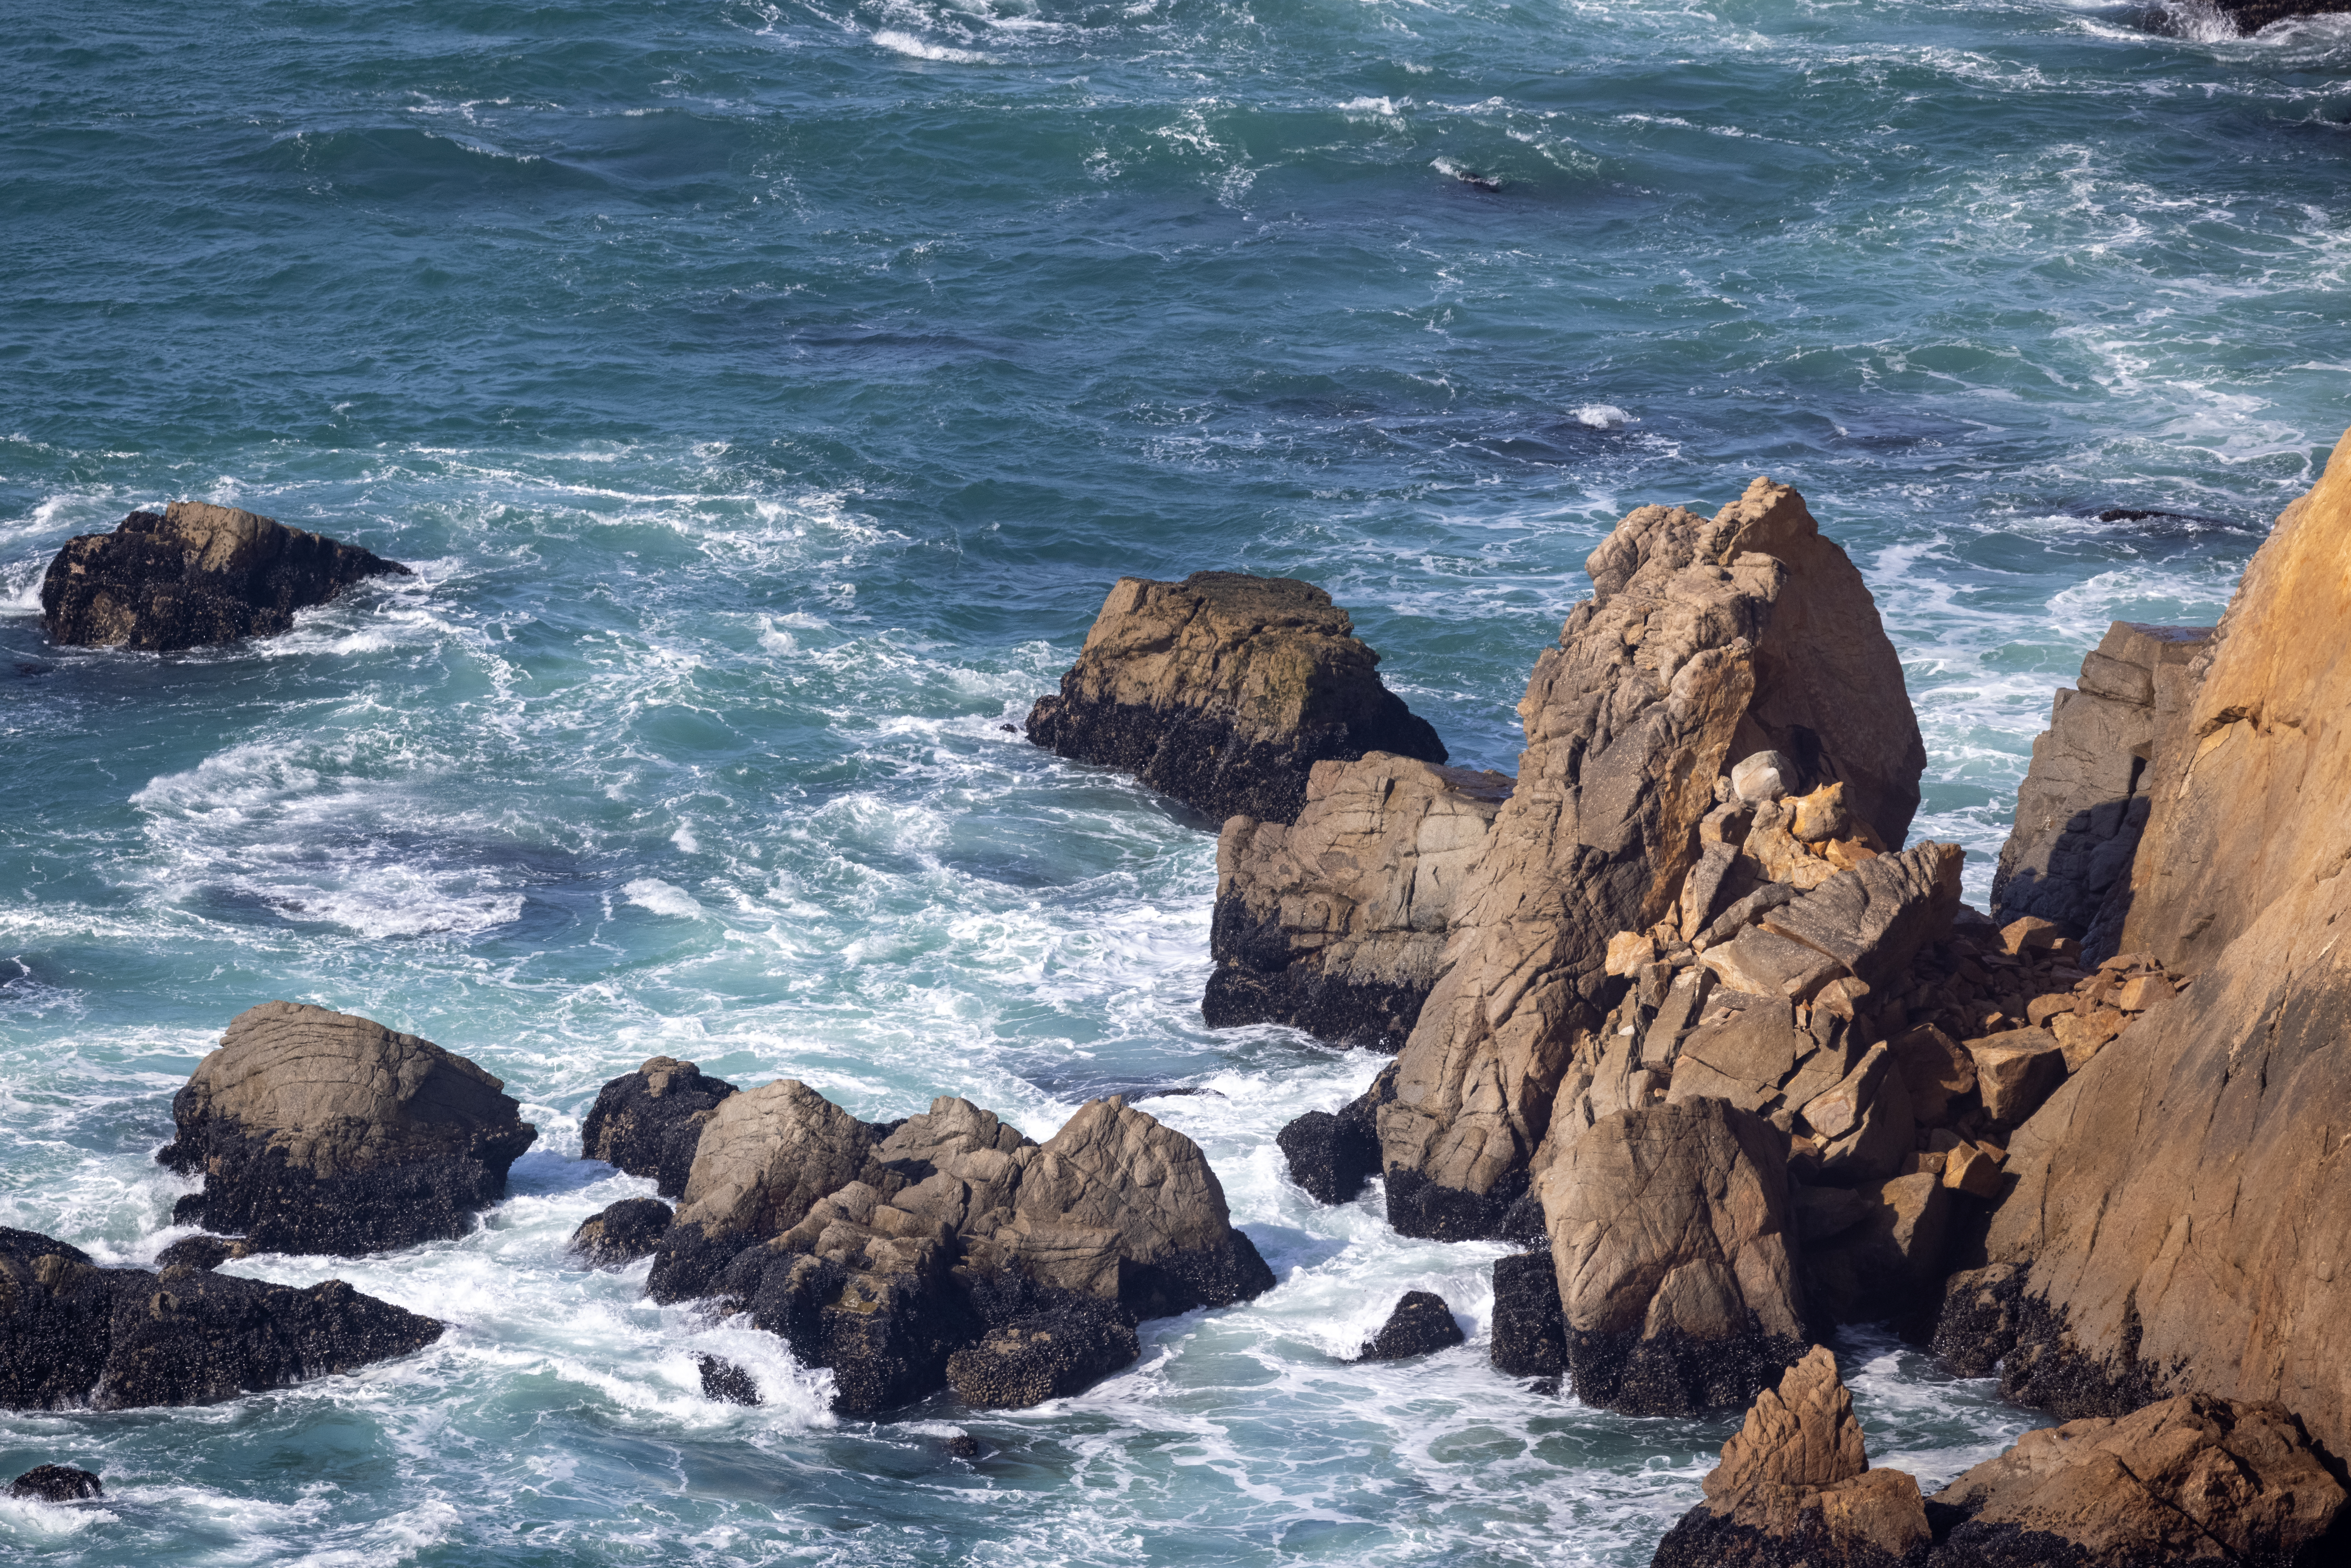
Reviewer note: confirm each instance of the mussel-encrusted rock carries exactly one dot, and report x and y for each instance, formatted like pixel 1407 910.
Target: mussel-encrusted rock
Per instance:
pixel 57 1483
pixel 191 575
pixel 1224 690
pixel 73 1334
pixel 1421 1325
pixel 323 1132
pixel 620 1233
pixel 649 1122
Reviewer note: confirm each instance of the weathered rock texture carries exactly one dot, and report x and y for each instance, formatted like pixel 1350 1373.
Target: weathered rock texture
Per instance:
pixel 881 1251
pixel 1223 691
pixel 2190 1479
pixel 649 1122
pixel 1706 641
pixel 1794 1487
pixel 1048 1354
pixel 73 1334
pixel 1421 1325
pixel 1529 1337
pixel 1670 1233
pixel 193 575
pixel 1336 923
pixel 2085 802
pixel 322 1131
pixel 2181 1206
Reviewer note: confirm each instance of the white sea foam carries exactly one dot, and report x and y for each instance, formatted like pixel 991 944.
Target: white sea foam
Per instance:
pixel 923 50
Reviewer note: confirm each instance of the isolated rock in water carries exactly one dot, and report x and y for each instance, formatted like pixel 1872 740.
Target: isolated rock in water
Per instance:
pixel 620 1233
pixel 1224 690
pixel 1705 641
pixel 649 1122
pixel 56 1483
pixel 1044 1355
pixel 1333 1156
pixel 74 1336
pixel 1336 923
pixel 1529 1334
pixel 2084 801
pixel 1794 1487
pixel 322 1131
pixel 725 1382
pixel 2180 1206
pixel 1421 1325
pixel 1670 1232
pixel 881 1252
pixel 2193 1479
pixel 193 575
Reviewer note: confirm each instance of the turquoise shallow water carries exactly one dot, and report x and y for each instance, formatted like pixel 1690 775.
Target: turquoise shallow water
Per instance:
pixel 767 395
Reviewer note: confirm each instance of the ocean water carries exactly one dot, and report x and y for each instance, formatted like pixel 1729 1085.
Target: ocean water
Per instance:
pixel 767 395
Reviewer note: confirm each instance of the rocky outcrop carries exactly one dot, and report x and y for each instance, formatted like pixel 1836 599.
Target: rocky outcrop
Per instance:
pixel 1706 642
pixel 2085 798
pixel 1048 1353
pixel 1795 1488
pixel 2180 1209
pixel 56 1483
pixel 619 1234
pixel 74 1336
pixel 881 1251
pixel 1224 690
pixel 193 575
pixel 649 1122
pixel 1422 1324
pixel 2190 1479
pixel 1671 1236
pixel 323 1132
pixel 1336 923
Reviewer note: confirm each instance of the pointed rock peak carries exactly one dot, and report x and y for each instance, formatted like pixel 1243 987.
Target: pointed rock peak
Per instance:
pixel 1801 1434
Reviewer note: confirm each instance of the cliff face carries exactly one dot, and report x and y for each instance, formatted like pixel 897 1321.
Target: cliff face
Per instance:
pixel 2181 1208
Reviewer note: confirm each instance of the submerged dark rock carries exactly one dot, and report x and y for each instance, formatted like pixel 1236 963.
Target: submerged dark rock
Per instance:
pixel 725 1382
pixel 618 1234
pixel 75 1334
pixel 322 1131
pixel 1223 691
pixel 1049 1354
pixel 649 1122
pixel 56 1483
pixel 200 1252
pixel 193 575
pixel 1421 1325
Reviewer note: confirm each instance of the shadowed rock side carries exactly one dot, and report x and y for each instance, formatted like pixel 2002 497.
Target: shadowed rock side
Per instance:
pixel 56 1483
pixel 74 1336
pixel 1223 691
pixel 1336 923
pixel 1795 1488
pixel 649 1122
pixel 1706 641
pixel 323 1132
pixel 2085 802
pixel 881 1251
pixel 1676 1265
pixel 2252 16
pixel 2180 1209
pixel 1422 1324
pixel 619 1234
pixel 193 575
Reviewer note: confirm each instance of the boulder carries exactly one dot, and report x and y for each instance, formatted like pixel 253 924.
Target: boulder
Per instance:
pixel 2086 797
pixel 1873 918
pixel 725 1383
pixel 1333 1157
pixel 323 1132
pixel 2180 1209
pixel 1705 641
pixel 1336 923
pixel 2193 1479
pixel 56 1483
pixel 1422 1324
pixel 1223 691
pixel 767 1155
pixel 75 1336
pixel 1671 1234
pixel 1795 1488
pixel 1935 1070
pixel 1530 1331
pixel 649 1122
pixel 2015 1072
pixel 193 575
pixel 619 1234
pixel 1047 1354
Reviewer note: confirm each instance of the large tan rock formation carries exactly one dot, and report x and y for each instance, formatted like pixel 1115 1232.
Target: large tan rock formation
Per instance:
pixel 1223 691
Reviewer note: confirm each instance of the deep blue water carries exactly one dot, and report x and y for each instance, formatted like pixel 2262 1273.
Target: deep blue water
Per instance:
pixel 767 396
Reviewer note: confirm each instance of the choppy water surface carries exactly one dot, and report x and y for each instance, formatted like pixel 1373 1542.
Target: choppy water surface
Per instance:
pixel 765 395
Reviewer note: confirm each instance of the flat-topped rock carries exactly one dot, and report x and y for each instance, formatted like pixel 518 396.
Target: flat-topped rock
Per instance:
pixel 193 575
pixel 76 1336
pixel 1223 691
pixel 324 1131
pixel 1336 923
